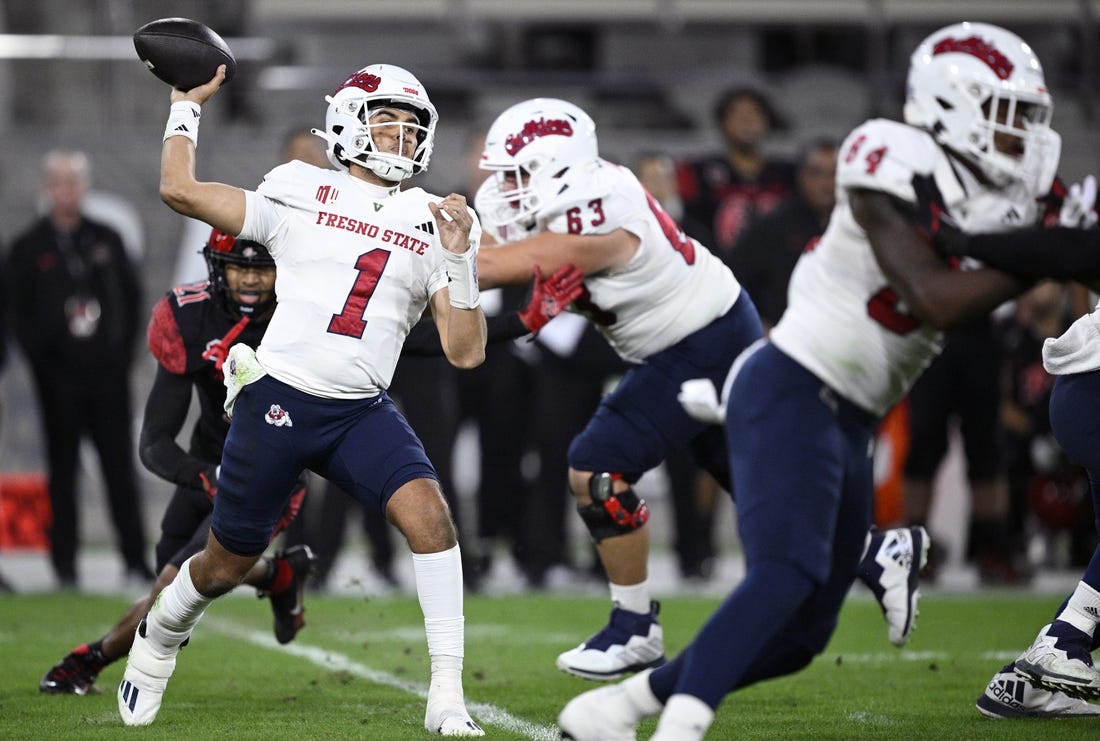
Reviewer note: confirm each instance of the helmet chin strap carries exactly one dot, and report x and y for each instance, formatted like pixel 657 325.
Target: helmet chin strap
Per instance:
pixel 386 169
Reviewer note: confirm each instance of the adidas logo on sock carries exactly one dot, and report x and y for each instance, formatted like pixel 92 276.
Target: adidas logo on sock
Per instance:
pixel 1093 611
pixel 181 127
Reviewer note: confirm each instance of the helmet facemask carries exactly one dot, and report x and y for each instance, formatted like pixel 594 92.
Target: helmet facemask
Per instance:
pixel 1010 138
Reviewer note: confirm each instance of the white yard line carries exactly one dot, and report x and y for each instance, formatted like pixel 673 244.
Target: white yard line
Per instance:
pixel 329 659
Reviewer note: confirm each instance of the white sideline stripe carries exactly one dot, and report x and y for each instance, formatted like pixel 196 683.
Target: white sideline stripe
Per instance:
pixel 327 659
pixel 882 658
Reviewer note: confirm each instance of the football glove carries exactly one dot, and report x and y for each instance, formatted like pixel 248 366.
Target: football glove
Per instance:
pixel 209 480
pixel 293 507
pixel 1079 206
pixel 699 399
pixel 218 350
pixel 551 296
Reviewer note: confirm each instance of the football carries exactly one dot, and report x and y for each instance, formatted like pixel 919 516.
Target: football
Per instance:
pixel 182 52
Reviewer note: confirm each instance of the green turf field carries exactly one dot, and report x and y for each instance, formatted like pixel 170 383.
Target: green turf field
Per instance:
pixel 359 670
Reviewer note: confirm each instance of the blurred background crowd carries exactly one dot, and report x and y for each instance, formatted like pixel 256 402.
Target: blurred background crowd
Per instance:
pixel 731 113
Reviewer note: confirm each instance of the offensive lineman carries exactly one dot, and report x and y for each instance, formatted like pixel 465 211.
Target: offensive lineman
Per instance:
pixel 358 261
pixel 868 307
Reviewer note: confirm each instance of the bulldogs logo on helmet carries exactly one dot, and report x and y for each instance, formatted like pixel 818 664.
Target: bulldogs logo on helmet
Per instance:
pixel 222 249
pixel 533 148
pixel 348 127
pixel 960 77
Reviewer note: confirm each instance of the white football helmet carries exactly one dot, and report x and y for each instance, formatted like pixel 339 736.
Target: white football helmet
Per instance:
pixel 348 127
pixel 531 148
pixel 960 77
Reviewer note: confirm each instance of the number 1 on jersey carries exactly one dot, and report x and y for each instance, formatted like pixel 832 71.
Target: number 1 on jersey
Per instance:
pixel 350 320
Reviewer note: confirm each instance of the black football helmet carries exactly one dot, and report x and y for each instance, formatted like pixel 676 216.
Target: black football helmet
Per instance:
pixel 223 248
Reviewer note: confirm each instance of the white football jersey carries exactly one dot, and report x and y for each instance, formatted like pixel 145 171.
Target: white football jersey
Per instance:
pixel 672 286
pixel 356 265
pixel 844 322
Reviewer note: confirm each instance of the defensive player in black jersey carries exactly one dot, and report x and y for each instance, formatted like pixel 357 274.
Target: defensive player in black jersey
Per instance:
pixel 192 328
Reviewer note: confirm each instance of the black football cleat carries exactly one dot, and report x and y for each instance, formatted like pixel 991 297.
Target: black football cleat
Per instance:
pixel 75 674
pixel 292 568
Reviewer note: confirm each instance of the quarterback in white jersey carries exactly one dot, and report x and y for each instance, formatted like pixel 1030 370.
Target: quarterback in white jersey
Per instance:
pixel 866 308
pixel 322 221
pixel 358 262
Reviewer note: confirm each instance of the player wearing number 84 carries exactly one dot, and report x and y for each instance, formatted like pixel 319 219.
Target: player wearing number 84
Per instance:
pixel 866 313
pixel 359 260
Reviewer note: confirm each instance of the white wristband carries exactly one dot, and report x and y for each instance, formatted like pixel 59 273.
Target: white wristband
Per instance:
pixel 462 276
pixel 183 120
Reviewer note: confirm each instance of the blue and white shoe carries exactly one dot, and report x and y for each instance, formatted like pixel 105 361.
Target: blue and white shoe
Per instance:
pixel 630 642
pixel 890 568
pixel 146 677
pixel 1010 696
pixel 1059 660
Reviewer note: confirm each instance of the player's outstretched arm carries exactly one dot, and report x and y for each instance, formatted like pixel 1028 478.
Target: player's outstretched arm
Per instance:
pixel 219 205
pixel 932 290
pixel 512 264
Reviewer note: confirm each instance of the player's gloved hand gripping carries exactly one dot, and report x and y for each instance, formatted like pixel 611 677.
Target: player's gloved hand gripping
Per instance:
pixel 1079 207
pixel 551 296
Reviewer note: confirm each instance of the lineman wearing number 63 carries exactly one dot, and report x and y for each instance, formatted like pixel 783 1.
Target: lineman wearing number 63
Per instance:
pixel 667 305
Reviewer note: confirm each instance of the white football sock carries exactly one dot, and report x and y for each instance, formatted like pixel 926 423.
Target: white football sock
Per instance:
pixel 439 588
pixel 176 611
pixel 641 696
pixel 685 718
pixel 631 597
pixel 1083 609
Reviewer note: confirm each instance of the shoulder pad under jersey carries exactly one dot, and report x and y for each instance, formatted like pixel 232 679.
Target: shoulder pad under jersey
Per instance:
pixel 299 184
pixel 164 338
pixel 602 195
pixel 885 156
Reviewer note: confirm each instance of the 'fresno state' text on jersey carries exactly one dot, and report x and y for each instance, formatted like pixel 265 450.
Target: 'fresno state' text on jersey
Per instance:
pixel 672 286
pixel 356 265
pixel 844 322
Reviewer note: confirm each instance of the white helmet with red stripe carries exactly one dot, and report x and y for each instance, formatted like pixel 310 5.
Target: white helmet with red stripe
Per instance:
pixel 532 148
pixel 980 90
pixel 348 127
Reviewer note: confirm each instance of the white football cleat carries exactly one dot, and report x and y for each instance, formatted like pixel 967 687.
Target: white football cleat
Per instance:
pixel 630 642
pixel 146 677
pixel 1059 660
pixel 890 569
pixel 609 713
pixel 447 716
pixel 1011 696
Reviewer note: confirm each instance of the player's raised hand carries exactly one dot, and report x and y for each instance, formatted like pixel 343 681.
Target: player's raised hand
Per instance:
pixel 203 92
pixel 1079 207
pixel 454 221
